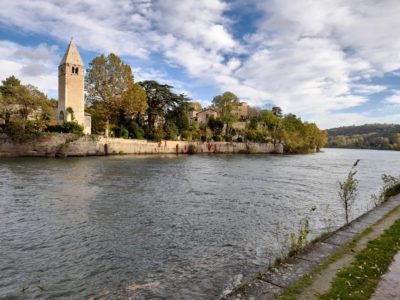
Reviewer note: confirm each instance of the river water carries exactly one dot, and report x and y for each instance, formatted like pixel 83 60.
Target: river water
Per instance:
pixel 164 227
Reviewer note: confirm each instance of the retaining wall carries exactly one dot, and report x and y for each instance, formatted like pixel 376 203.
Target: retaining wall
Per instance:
pixel 69 145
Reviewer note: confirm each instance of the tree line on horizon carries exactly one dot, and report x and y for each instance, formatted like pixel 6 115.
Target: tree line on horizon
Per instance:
pixel 368 136
pixel 150 110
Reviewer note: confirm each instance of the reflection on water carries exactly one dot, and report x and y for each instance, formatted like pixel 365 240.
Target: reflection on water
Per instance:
pixel 169 227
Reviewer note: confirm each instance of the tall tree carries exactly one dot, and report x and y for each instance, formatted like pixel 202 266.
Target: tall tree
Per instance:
pixel 277 111
pixel 161 101
pixel 226 104
pixel 111 89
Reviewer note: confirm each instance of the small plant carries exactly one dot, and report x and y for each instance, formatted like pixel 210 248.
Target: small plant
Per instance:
pixel 348 190
pixel 391 187
pixel 70 111
pixel 299 240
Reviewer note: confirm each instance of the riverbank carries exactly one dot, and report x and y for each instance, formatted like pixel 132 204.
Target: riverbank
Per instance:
pixel 64 145
pixel 310 272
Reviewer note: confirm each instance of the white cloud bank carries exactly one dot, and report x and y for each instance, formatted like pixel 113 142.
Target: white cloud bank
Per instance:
pixel 310 57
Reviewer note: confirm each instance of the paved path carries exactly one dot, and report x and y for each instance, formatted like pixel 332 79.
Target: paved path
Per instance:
pixel 389 286
pixel 272 283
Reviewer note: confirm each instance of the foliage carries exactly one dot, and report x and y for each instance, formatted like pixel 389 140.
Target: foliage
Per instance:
pixel 277 111
pixel 162 103
pixel 226 104
pixel 70 111
pixel 121 132
pixel 369 136
pixel 348 190
pixel 216 125
pixel 67 127
pixel 24 110
pixel 171 131
pixel 359 280
pixel 112 94
pixel 391 187
pixel 299 239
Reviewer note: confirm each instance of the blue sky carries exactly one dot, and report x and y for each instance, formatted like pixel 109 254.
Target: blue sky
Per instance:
pixel 333 62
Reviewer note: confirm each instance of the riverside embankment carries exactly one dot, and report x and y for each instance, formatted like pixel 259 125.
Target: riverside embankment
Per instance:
pixel 311 272
pixel 64 145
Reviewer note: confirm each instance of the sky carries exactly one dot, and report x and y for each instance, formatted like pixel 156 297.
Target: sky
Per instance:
pixel 333 62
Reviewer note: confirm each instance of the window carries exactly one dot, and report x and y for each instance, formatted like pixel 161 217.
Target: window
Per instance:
pixel 61 116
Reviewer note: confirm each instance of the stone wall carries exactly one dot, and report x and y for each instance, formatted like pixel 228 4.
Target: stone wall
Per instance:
pixel 68 145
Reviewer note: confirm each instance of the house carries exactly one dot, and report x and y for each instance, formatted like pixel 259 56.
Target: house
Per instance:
pixel 203 116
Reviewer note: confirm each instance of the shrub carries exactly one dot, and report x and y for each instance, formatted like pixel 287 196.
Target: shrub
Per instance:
pixel 217 138
pixel 158 135
pixel 67 127
pixel 186 135
pixel 239 139
pixel 123 132
pixel 17 132
pixel 138 133
pixel 391 187
pixel 228 138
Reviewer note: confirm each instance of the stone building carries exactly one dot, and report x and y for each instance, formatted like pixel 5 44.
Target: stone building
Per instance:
pixel 203 116
pixel 242 111
pixel 71 84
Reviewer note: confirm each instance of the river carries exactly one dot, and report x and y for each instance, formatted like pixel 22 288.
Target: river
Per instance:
pixel 164 227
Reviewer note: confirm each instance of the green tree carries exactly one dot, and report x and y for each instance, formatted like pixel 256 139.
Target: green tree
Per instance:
pixel 271 122
pixel 348 190
pixel 216 125
pixel 161 102
pixel 277 111
pixel 7 101
pixel 226 104
pixel 112 92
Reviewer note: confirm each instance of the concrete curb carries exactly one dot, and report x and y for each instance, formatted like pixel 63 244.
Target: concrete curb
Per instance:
pixel 272 283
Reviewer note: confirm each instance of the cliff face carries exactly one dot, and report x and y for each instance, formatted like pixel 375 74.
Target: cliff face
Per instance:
pixel 68 145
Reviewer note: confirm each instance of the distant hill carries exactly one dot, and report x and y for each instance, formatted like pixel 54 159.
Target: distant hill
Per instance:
pixel 368 136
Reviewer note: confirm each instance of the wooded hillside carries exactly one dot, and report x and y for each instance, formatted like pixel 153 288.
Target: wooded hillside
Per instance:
pixel 368 136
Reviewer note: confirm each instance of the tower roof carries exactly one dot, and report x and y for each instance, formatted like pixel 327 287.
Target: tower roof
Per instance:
pixel 72 56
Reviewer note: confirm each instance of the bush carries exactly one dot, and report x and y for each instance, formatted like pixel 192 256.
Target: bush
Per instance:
pixel 186 135
pixel 171 131
pixel 122 132
pixel 217 138
pixel 67 127
pixel 158 135
pixel 138 133
pixel 239 139
pixel 17 132
pixel 228 138
pixel 391 187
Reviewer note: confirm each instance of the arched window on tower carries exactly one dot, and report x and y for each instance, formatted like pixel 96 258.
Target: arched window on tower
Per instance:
pixel 61 116
pixel 76 70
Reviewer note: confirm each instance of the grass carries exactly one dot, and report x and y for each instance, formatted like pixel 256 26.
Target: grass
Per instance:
pixel 359 280
pixel 296 289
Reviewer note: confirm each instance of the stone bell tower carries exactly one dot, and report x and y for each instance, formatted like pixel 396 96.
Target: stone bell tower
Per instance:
pixel 71 87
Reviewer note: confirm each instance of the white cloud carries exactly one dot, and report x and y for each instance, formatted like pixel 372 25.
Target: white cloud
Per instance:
pixel 394 98
pixel 33 65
